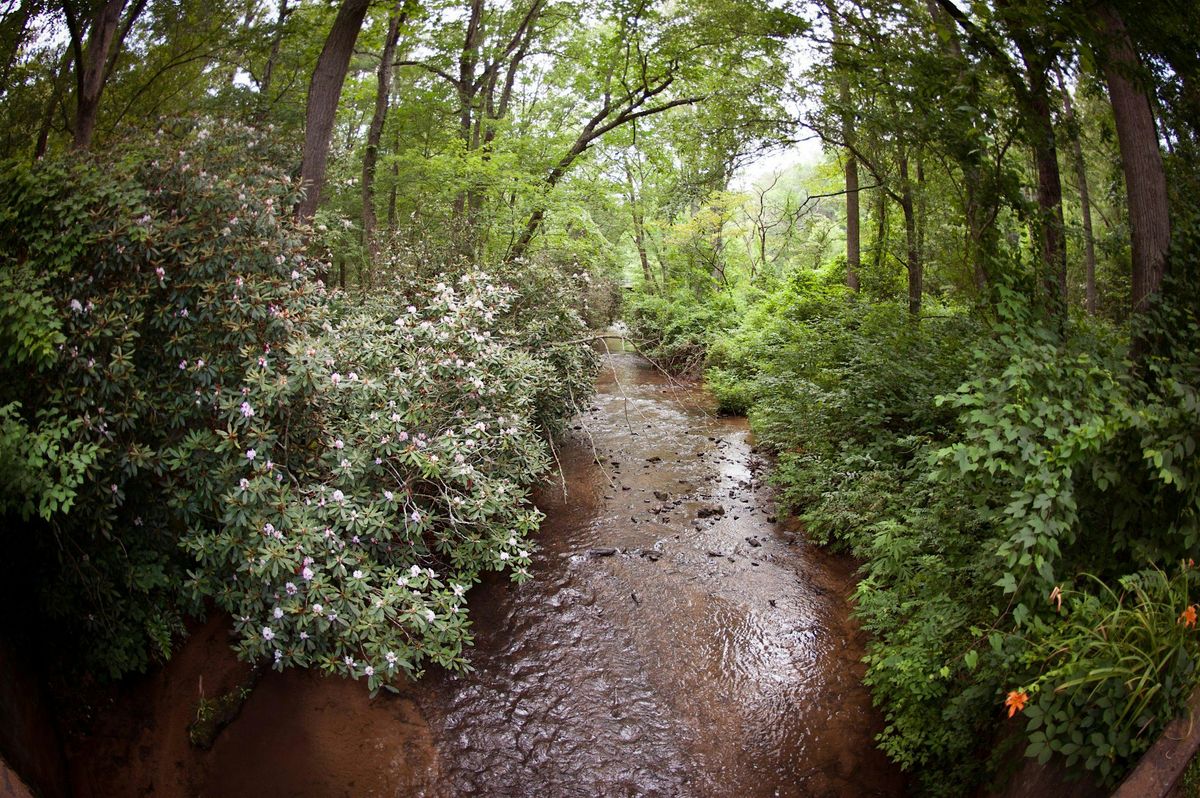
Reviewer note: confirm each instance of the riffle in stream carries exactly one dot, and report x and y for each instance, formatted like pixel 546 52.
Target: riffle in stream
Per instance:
pixel 674 641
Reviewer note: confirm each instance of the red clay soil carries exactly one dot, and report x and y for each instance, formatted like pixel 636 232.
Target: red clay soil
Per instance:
pixel 328 731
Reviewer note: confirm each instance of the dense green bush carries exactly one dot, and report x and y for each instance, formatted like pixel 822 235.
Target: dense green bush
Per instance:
pixel 188 414
pixel 675 330
pixel 159 280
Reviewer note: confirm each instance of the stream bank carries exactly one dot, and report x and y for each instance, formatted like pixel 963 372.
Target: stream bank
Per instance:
pixel 676 640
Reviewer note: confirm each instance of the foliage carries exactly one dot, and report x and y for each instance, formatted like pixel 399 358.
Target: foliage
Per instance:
pixel 1113 670
pixel 940 452
pixel 674 331
pixel 160 273
pixel 352 548
pixel 215 425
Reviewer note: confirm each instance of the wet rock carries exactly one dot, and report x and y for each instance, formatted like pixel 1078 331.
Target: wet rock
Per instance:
pixel 652 555
pixel 625 487
pixel 771 602
pixel 753 542
pixel 714 554
pixel 772 519
pixel 662 496
pixel 604 551
pixel 710 510
pixel 654 459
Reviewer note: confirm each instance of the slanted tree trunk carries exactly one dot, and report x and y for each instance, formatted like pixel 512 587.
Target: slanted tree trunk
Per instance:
pixel 1141 159
pixel 324 91
pixel 383 90
pixel 56 95
pixel 13 31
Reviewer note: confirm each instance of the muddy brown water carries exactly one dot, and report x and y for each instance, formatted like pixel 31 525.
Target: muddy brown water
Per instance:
pixel 654 653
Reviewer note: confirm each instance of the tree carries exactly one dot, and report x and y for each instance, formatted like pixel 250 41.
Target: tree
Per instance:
pixel 1141 158
pixel 95 62
pixel 323 92
pixel 383 90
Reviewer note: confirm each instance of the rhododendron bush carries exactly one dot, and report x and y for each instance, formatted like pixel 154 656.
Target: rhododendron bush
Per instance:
pixel 187 415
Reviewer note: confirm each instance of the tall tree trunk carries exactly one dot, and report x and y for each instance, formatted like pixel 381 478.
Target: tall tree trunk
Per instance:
pixel 880 230
pixel 1039 127
pixel 391 213
pixel 1085 202
pixel 916 277
pixel 853 226
pixel 383 90
pixel 323 93
pixel 967 152
pixel 91 69
pixel 1141 160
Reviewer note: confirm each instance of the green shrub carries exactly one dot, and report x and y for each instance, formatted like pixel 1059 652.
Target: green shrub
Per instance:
pixel 190 415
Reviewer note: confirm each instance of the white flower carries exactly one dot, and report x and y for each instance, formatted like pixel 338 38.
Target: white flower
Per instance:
pixel 415 570
pixel 430 615
pixel 504 555
pixel 335 378
pixel 267 633
pixel 251 454
pixel 307 574
pixel 339 443
pixel 290 588
pixel 244 484
pixel 247 410
pixel 295 274
pixel 352 376
pixel 338 496
pixel 304 635
pixel 161 272
pixel 278 613
pixel 391 659
pixel 269 528
pixel 523 554
pixel 358 574
pixel 76 306
pixel 369 671
pixel 512 541
pixel 402 581
pixel 349 660
pixel 387 494
pixel 182 365
pixel 458 590
pixel 416 517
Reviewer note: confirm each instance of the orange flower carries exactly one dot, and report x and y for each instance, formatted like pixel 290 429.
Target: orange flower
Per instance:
pixel 1016 701
pixel 1188 616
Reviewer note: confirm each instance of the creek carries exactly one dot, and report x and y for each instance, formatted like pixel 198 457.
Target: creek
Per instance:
pixel 676 640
